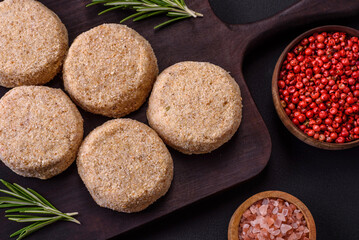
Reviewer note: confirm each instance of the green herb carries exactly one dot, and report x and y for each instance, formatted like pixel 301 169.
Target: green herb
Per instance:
pixel 27 202
pixel 176 9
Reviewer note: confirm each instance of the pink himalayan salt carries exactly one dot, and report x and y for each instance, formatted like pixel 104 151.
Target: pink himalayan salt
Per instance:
pixel 285 212
pixel 277 223
pixel 284 228
pixel 275 210
pixel 293 236
pixel 263 210
pixel 281 217
pixel 273 219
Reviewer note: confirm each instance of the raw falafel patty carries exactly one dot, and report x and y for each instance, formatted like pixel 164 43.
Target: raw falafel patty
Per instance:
pixel 125 165
pixel 195 107
pixel 40 131
pixel 33 43
pixel 110 70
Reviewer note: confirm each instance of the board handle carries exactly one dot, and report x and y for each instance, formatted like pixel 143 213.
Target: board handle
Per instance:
pixel 303 12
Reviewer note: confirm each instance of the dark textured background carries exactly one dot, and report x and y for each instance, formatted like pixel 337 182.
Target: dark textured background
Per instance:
pixel 325 181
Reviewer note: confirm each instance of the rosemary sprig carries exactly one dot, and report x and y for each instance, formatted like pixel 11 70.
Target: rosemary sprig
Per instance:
pixel 27 202
pixel 176 9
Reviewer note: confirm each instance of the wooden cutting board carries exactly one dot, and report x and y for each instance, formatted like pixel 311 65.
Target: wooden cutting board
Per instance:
pixel 197 176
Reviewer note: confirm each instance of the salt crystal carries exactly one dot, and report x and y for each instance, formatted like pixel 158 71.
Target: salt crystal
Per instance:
pixel 279 238
pixel 265 201
pixel 295 225
pixel 265 226
pixel 297 211
pixel 277 223
pixel 281 217
pixel 275 210
pixel 246 214
pixel 253 209
pixel 275 203
pixel 286 204
pixel 285 212
pixel 260 220
pixel 256 230
pixel 293 236
pixel 285 228
pixel 276 232
pixel 269 221
pixel 263 210
pixel 298 215
pixel 306 230
pixel 246 225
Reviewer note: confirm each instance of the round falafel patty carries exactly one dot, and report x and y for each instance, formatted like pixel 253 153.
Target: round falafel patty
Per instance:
pixel 33 43
pixel 40 131
pixel 125 165
pixel 110 70
pixel 195 107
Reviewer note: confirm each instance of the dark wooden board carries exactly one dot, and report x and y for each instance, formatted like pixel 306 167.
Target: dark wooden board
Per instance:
pixel 198 176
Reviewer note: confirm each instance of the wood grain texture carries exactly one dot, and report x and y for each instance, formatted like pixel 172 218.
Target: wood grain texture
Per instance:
pixel 233 228
pixel 195 177
pixel 276 99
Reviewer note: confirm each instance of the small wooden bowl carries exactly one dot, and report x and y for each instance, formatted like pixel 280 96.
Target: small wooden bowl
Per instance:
pixel 281 113
pixel 233 229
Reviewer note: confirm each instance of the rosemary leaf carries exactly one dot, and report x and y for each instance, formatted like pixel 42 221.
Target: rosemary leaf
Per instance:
pixel 147 15
pixel 36 227
pixel 170 21
pixel 30 219
pixel 23 209
pixel 10 200
pixel 6 205
pixel 109 9
pixel 13 194
pixel 41 198
pixel 132 16
pixel 22 230
pixel 175 14
pixel 18 216
pixel 120 3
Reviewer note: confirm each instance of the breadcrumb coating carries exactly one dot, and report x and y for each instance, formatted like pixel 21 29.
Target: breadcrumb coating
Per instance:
pixel 40 131
pixel 110 70
pixel 195 107
pixel 125 165
pixel 33 43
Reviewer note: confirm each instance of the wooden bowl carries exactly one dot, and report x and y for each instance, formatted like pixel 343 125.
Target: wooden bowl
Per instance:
pixel 233 229
pixel 281 113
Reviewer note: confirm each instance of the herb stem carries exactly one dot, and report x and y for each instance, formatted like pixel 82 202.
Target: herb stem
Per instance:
pixel 149 8
pixel 28 202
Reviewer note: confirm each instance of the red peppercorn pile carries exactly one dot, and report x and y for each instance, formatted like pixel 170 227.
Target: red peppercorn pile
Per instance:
pixel 319 86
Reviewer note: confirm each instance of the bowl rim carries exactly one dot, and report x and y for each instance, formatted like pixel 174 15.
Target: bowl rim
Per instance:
pixel 275 92
pixel 233 227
